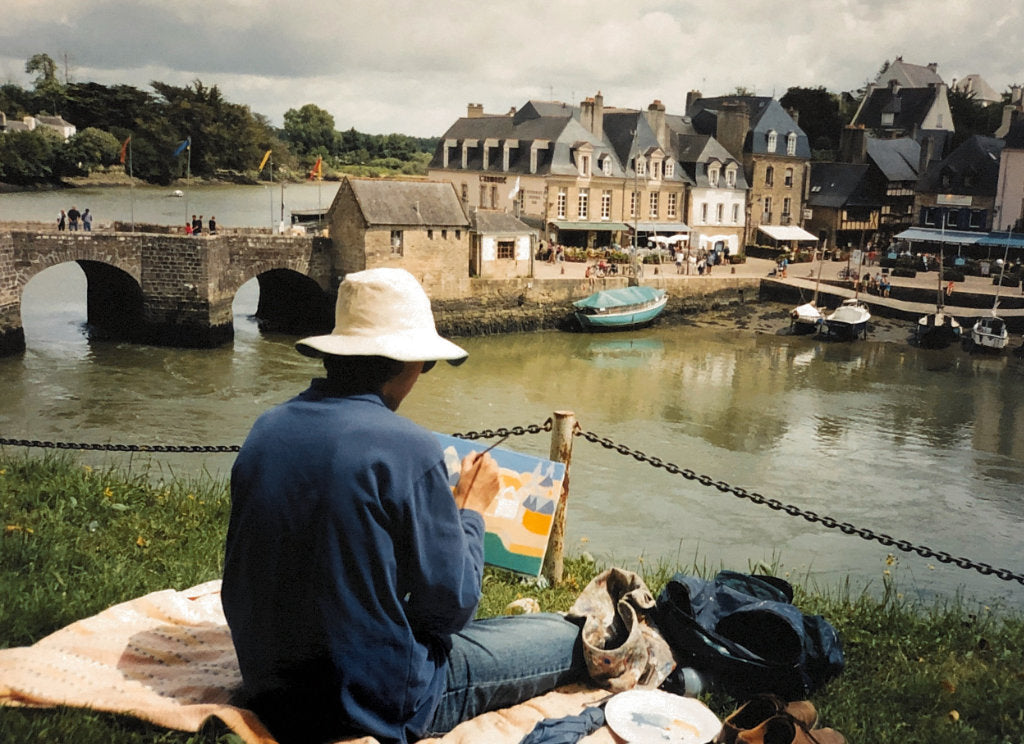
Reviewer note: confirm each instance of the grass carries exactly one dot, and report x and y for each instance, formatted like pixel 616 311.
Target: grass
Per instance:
pixel 76 540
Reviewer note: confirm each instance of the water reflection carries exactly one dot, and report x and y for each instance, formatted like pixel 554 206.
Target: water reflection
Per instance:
pixel 924 447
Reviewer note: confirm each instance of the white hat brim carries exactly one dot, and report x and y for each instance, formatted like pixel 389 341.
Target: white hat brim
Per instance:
pixel 403 347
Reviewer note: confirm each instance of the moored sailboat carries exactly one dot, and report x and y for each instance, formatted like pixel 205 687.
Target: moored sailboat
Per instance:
pixel 939 329
pixel 990 333
pixel 807 318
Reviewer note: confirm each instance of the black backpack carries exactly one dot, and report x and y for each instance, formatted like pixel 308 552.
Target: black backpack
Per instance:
pixel 742 633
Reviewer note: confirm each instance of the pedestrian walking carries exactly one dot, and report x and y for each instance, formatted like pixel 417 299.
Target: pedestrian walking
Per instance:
pixel 87 220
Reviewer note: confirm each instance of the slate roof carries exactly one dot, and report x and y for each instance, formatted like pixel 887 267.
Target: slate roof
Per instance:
pixel 898 159
pixel 909 107
pixel 1015 137
pixel 492 222
pixel 907 75
pixel 976 84
pixel 972 168
pixel 625 132
pixel 405 203
pixel 765 114
pixel 836 185
pixel 696 151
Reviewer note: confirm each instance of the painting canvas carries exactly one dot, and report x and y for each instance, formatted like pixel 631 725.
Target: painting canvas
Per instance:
pixel 518 522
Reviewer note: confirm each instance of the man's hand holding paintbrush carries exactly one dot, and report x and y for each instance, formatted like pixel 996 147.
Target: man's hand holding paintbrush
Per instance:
pixel 478 481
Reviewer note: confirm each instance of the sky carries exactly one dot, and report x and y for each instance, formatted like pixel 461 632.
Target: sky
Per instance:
pixel 412 66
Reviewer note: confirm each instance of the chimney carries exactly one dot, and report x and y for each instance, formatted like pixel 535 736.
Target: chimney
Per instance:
pixel 853 145
pixel 691 98
pixel 475 111
pixel 927 151
pixel 599 116
pixel 511 112
pixel 794 115
pixel 1010 116
pixel 656 121
pixel 1015 95
pixel 732 127
pixel 587 114
pixel 933 66
pixel 894 86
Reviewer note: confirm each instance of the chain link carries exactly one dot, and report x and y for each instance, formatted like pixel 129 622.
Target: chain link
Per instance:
pixel 831 523
pixel 119 447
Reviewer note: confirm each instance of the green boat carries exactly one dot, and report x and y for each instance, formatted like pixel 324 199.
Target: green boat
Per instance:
pixel 619 309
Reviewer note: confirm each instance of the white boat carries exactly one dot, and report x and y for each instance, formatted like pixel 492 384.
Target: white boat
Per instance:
pixel 938 330
pixel 848 320
pixel 989 333
pixel 177 193
pixel 807 318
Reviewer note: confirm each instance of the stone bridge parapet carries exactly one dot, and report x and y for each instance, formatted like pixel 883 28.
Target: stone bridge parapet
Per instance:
pixel 168 289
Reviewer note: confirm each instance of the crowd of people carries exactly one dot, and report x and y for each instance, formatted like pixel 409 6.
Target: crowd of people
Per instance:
pixel 73 219
pixel 195 227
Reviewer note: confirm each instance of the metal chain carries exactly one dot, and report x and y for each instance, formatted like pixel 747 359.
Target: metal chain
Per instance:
pixel 831 523
pixel 517 431
pixel 845 527
pixel 120 447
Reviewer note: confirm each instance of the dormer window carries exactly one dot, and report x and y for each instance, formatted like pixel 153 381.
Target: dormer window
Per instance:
pixel 641 167
pixel 888 119
pixel 585 166
pixel 773 140
pixel 606 165
pixel 791 143
pixel 730 176
pixel 670 169
pixel 713 172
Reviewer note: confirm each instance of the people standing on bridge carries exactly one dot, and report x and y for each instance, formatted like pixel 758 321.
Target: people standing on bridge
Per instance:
pixel 352 570
pixel 87 220
pixel 197 225
pixel 212 225
pixel 62 220
pixel 73 215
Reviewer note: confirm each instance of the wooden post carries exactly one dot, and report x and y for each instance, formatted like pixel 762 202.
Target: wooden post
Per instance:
pixel 564 422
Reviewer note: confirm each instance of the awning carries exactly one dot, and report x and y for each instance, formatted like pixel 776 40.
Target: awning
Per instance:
pixel 956 237
pixel 786 232
pixel 1013 240
pixel 674 227
pixel 566 225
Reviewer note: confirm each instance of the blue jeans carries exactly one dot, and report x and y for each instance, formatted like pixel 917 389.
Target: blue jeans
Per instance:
pixel 503 661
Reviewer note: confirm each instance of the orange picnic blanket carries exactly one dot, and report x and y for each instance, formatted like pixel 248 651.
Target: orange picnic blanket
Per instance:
pixel 167 658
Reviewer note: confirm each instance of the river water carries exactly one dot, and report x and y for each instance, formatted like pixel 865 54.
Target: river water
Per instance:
pixel 924 446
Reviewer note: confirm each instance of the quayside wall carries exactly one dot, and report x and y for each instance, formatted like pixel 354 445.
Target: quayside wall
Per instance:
pixel 522 304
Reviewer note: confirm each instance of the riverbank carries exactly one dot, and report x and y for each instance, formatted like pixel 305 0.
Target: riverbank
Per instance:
pixel 77 540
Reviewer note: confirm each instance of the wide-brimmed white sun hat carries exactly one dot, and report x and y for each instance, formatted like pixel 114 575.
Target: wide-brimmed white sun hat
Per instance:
pixel 383 312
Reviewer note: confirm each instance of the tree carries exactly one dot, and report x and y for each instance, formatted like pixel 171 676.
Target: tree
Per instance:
pixel 308 128
pixel 819 116
pixel 27 158
pixel 87 150
pixel 47 86
pixel 970 117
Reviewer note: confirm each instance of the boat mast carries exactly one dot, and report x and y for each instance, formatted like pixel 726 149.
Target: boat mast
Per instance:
pixel 817 282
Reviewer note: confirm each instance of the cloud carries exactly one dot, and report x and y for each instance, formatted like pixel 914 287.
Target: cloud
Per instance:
pixel 412 66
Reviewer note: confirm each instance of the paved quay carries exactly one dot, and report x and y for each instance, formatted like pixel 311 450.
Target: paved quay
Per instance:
pixel 802 277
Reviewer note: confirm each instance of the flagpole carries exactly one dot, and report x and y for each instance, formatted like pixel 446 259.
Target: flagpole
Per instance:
pixel 188 174
pixel 270 191
pixel 131 182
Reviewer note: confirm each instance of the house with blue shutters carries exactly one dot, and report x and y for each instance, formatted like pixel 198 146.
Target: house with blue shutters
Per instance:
pixel 959 191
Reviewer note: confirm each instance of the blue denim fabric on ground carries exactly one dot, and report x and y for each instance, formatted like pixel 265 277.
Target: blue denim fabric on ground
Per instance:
pixel 502 661
pixel 566 730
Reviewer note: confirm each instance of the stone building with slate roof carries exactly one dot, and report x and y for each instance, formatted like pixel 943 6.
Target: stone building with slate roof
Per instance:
pixel 844 209
pixel 1010 189
pixel 585 175
pixel 898 111
pixel 501 245
pixel 415 225
pixel 775 153
pixel 959 191
pixel 718 194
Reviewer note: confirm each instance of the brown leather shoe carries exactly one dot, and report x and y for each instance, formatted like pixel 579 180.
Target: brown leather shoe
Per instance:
pixel 759 709
pixel 783 729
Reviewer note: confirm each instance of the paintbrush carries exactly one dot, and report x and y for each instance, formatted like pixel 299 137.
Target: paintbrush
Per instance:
pixel 476 468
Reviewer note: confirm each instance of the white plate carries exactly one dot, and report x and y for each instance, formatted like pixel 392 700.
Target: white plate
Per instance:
pixel 659 717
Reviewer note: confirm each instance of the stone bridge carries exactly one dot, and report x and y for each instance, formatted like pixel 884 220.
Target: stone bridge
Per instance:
pixel 174 290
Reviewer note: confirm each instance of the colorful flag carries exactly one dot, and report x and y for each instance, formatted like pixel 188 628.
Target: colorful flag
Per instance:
pixel 318 169
pixel 182 146
pixel 124 148
pixel 264 161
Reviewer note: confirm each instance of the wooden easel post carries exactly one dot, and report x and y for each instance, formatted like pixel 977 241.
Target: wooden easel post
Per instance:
pixel 562 428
